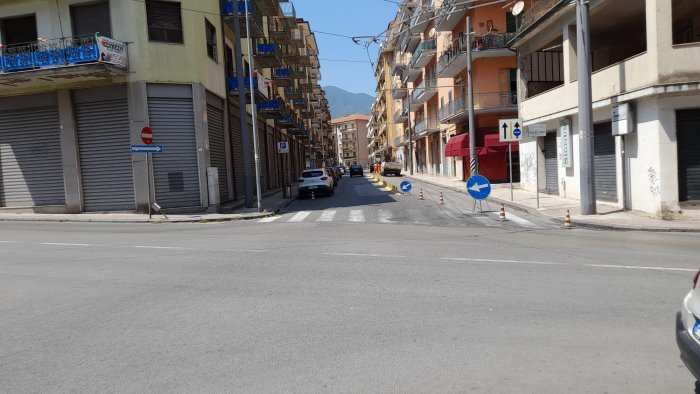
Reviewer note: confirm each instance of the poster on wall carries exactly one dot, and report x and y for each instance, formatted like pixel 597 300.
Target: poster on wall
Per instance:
pixel 112 51
pixel 565 144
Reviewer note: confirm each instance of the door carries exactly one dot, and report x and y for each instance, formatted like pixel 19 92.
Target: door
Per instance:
pixel 688 143
pixel 31 165
pixel 217 144
pixel 102 118
pixel 551 164
pixel 604 162
pixel 175 171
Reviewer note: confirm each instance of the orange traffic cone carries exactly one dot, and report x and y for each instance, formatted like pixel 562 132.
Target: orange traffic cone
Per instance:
pixel 502 214
pixel 420 195
pixel 567 220
pixel 442 201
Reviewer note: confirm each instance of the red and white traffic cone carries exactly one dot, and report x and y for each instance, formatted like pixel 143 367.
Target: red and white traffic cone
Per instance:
pixel 442 201
pixel 502 214
pixel 567 220
pixel 420 195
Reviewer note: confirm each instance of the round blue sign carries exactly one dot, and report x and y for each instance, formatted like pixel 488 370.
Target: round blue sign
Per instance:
pixel 405 186
pixel 478 187
pixel 517 132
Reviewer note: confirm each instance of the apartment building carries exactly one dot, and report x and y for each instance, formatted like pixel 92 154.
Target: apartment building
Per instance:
pixel 429 88
pixel 351 136
pixel 646 101
pixel 80 80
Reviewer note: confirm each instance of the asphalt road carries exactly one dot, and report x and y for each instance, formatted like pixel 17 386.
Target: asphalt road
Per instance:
pixel 412 298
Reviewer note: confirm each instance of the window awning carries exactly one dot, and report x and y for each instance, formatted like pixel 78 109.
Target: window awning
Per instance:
pixel 458 146
pixel 492 144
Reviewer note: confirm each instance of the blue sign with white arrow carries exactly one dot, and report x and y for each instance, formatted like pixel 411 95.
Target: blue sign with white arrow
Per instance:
pixel 405 186
pixel 517 132
pixel 478 187
pixel 146 148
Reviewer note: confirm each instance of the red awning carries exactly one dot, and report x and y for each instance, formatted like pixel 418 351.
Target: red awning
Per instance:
pixel 493 144
pixel 458 146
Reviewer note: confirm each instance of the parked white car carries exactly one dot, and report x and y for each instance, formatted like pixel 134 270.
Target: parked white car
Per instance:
pixel 688 331
pixel 315 182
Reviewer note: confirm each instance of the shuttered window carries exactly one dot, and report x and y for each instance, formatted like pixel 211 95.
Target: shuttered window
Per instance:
pixel 211 40
pixel 164 21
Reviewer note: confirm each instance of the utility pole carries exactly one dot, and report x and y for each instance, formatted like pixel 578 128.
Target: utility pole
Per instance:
pixel 256 146
pixel 410 135
pixel 585 108
pixel 473 162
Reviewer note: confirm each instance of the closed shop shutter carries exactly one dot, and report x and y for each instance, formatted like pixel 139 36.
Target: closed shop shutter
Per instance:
pixel 237 151
pixel 688 142
pixel 604 162
pixel 551 164
pixel 251 149
pixel 31 167
pixel 175 170
pixel 217 148
pixel 262 148
pixel 272 155
pixel 105 162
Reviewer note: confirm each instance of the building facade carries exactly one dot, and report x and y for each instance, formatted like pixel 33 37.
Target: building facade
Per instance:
pixel 351 136
pixel 82 81
pixel 646 101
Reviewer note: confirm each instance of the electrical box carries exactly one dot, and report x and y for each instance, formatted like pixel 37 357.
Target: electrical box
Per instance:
pixel 623 119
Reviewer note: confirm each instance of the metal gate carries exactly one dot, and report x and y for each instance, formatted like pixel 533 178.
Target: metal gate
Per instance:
pixel 217 147
pixel 102 118
pixel 237 152
pixel 435 144
pixel 273 158
pixel 175 170
pixel 31 166
pixel 262 149
pixel 551 164
pixel 604 162
pixel 688 143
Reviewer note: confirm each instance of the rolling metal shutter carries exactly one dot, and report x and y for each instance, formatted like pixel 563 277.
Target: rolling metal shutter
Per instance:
pixel 175 170
pixel 264 165
pixel 251 149
pixel 272 155
pixel 31 166
pixel 217 148
pixel 551 164
pixel 604 162
pixel 237 151
pixel 105 161
pixel 688 143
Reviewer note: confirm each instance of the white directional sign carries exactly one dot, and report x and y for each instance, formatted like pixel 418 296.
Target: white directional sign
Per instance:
pixel 510 130
pixel 537 130
pixel 147 148
pixel 282 147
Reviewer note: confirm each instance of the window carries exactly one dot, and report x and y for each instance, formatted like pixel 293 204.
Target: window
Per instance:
pixel 164 20
pixel 686 21
pixel 90 19
pixel 211 40
pixel 19 30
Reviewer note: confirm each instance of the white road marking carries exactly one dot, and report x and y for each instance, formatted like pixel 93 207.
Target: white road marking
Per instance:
pixel 384 216
pixel 160 247
pixel 635 267
pixel 500 261
pixel 517 219
pixel 269 219
pixel 299 217
pixel 357 215
pixel 66 244
pixel 366 255
pixel 327 216
pixel 8 242
pixel 259 251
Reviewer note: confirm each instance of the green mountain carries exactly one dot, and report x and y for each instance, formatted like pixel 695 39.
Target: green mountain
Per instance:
pixel 343 102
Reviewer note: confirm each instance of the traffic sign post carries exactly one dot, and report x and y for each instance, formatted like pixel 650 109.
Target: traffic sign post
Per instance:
pixel 148 149
pixel 479 188
pixel 535 131
pixel 147 135
pixel 510 130
pixel 405 186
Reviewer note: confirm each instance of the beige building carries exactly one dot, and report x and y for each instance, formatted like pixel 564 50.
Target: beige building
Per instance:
pixel 351 136
pixel 81 79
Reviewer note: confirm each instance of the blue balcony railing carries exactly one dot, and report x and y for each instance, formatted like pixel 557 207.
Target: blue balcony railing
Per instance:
pixel 59 52
pixel 282 73
pixel 270 106
pixel 233 83
pixel 287 120
pixel 300 102
pixel 267 49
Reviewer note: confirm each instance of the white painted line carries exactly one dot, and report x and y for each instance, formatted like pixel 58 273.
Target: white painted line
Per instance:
pixel 384 216
pixel 500 261
pixel 259 251
pixel 395 256
pixel 327 216
pixel 516 219
pixel 300 216
pixel 356 215
pixel 161 247
pixel 8 242
pixel 636 267
pixel 269 219
pixel 66 244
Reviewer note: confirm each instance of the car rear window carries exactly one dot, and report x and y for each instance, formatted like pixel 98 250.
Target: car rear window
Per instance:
pixel 311 174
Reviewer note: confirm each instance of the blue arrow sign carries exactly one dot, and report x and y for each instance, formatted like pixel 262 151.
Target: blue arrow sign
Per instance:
pixel 146 148
pixel 405 186
pixel 517 132
pixel 478 187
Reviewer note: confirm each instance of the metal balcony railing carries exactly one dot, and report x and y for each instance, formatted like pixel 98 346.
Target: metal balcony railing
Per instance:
pixel 425 126
pixel 62 52
pixel 492 41
pixel 537 10
pixel 426 45
pixel 482 101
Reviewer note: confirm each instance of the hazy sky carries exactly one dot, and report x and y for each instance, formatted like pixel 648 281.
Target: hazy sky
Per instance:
pixel 350 18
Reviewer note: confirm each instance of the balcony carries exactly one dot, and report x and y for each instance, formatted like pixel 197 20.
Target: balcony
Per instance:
pixel 423 54
pixel 492 45
pixel 279 32
pixel 426 90
pixel 254 16
pixel 271 109
pixel 449 14
pixel 289 14
pixel 425 127
pixel 456 111
pixel 410 41
pixel 286 121
pixel 537 10
pixel 267 55
pixel 259 84
pixel 421 17
pixel 84 58
pixel 282 77
pixel 300 102
pixel 292 93
pixel 399 93
pixel 400 115
pixel 454 60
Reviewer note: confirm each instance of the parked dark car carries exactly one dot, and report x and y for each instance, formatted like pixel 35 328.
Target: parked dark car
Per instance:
pixel 356 169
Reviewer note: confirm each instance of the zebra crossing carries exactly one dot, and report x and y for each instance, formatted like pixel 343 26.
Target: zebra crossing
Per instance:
pixel 405 216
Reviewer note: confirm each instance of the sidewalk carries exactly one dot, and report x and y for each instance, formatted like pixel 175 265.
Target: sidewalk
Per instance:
pixel 231 211
pixel 554 208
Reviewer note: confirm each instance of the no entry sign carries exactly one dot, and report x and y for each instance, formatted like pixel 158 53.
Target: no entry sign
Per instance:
pixel 147 135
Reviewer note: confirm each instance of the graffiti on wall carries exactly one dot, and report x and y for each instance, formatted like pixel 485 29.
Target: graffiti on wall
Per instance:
pixel 653 181
pixel 528 168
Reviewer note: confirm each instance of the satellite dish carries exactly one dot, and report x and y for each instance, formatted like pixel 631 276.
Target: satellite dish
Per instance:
pixel 518 7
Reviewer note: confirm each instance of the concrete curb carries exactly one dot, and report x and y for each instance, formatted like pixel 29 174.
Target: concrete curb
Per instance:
pixel 133 221
pixel 386 184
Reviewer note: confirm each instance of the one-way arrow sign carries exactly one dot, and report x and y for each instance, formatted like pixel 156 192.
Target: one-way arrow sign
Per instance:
pixel 146 148
pixel 478 187
pixel 510 130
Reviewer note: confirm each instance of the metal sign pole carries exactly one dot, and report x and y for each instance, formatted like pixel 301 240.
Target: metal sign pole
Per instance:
pixel 510 168
pixel 537 172
pixel 256 146
pixel 148 170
